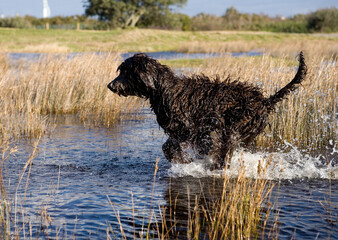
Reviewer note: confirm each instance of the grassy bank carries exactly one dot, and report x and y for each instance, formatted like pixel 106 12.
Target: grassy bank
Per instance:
pixel 147 40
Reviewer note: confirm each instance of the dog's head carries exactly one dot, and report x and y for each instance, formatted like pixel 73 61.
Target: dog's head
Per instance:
pixel 137 76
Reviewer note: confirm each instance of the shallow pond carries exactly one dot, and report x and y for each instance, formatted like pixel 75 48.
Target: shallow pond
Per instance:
pixel 87 181
pixel 78 168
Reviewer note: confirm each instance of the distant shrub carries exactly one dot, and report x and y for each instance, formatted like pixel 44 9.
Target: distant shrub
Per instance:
pixel 186 22
pixel 204 21
pixel 15 22
pixel 323 20
pixel 166 20
pixel 288 26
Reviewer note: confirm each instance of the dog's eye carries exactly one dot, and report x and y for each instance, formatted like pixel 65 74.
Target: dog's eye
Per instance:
pixel 122 71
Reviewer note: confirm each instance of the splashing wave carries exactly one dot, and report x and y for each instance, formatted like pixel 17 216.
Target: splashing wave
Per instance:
pixel 291 165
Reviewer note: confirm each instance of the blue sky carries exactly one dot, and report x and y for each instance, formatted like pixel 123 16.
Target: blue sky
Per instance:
pixel 285 8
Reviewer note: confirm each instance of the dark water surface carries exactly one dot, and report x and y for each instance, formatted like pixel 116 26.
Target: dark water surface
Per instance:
pixel 78 168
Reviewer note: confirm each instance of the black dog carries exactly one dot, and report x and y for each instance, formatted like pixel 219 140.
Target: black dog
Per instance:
pixel 206 115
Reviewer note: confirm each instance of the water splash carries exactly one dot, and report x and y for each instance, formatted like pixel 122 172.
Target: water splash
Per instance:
pixel 291 165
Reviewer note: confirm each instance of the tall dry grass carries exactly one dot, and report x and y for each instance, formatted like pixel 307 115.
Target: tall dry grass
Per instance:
pixel 241 212
pixel 316 48
pixel 13 218
pixel 308 118
pixel 31 92
pixel 226 208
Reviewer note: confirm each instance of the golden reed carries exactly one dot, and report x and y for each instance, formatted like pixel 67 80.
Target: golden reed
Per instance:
pixel 33 91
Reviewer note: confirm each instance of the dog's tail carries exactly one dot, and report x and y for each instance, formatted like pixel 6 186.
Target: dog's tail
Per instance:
pixel 291 86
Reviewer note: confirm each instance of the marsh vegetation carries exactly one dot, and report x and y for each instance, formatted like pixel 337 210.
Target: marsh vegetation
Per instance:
pixel 35 92
pixel 32 92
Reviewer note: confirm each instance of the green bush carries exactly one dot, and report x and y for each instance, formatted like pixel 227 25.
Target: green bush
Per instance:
pixel 186 22
pixel 166 20
pixel 323 20
pixel 15 22
pixel 288 26
pixel 207 22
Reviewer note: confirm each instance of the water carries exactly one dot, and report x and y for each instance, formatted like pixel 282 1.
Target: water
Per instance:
pixel 176 55
pixel 168 55
pixel 78 168
pixel 86 181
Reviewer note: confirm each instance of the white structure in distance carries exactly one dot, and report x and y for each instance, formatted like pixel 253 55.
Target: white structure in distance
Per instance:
pixel 46 9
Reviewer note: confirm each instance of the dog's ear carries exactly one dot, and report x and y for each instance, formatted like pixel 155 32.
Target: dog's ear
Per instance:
pixel 148 80
pixel 119 68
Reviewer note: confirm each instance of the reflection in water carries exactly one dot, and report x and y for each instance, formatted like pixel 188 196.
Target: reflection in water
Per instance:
pixel 185 198
pixel 79 168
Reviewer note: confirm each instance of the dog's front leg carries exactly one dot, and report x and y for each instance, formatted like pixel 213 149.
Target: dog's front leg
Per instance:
pixel 173 152
pixel 222 150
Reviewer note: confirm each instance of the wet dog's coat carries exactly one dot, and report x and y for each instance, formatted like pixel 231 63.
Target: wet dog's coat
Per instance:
pixel 210 116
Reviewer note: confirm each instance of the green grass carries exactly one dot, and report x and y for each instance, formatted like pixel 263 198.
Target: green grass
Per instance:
pixel 142 40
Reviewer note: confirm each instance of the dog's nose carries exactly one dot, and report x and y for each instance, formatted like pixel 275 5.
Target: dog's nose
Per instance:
pixel 110 86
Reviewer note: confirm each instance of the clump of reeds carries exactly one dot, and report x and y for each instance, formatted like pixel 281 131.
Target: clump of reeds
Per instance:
pixel 59 84
pixel 224 208
pixel 241 212
pixel 15 222
pixel 307 119
pixel 4 63
pixel 5 205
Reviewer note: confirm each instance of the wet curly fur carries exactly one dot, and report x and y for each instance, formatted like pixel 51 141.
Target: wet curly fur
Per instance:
pixel 210 116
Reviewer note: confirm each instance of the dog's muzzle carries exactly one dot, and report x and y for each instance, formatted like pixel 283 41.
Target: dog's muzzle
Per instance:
pixel 111 86
pixel 116 86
